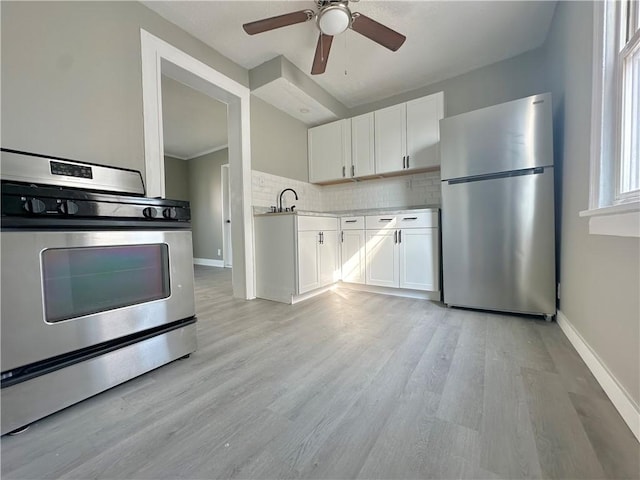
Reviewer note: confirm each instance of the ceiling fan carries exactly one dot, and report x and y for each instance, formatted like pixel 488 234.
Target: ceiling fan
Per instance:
pixel 332 18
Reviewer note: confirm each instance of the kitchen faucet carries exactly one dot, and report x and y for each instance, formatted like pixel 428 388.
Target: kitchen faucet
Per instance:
pixel 280 198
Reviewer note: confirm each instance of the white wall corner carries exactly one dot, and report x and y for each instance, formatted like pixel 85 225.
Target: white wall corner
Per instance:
pixel 623 402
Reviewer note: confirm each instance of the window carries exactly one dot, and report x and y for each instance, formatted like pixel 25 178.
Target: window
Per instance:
pixel 629 73
pixel 615 139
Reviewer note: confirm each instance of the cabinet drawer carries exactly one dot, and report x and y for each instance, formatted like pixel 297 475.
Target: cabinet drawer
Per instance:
pixel 317 223
pixel 380 222
pixel 417 220
pixel 352 223
pixel 402 220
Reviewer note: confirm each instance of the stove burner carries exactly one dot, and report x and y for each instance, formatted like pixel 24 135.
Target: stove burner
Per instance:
pixel 51 191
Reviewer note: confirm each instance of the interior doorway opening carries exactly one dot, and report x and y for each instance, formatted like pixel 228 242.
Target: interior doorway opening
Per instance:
pixel 160 58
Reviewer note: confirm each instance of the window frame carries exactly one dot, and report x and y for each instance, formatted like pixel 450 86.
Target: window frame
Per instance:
pixel 622 211
pixel 624 46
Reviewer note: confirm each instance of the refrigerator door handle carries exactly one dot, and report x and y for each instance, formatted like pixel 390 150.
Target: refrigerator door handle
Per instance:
pixel 493 176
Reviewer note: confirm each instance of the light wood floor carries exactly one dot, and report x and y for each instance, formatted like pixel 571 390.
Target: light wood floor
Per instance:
pixel 345 385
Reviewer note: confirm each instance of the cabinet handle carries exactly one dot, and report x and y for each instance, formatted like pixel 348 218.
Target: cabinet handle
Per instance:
pixel 344 170
pixel 342 236
pixel 407 161
pixel 353 170
pixel 385 219
pixel 395 236
pixel 350 221
pixel 410 218
pixel 399 236
pixel 404 160
pixel 321 238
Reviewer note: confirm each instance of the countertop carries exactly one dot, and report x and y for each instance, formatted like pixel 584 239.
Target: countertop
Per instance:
pixel 261 211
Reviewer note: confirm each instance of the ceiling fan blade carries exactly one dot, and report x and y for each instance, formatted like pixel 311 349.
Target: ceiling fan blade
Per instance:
pixel 322 54
pixel 278 21
pixel 377 32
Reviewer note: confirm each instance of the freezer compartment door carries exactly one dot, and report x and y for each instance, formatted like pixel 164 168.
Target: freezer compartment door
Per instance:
pixel 511 136
pixel 498 243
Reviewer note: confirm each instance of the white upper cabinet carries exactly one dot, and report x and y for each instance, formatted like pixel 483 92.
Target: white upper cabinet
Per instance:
pixel 396 139
pixel 407 136
pixel 329 148
pixel 362 146
pixel 391 138
pixel 423 131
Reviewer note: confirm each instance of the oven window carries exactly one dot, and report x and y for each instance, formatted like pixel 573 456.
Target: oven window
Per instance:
pixel 82 281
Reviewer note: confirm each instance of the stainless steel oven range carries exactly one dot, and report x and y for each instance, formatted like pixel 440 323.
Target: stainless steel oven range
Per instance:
pixel 97 282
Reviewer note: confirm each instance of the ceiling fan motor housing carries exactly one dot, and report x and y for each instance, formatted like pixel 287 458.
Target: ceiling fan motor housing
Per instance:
pixel 333 18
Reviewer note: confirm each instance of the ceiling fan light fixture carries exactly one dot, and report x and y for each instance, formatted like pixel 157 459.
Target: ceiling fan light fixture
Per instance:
pixel 334 19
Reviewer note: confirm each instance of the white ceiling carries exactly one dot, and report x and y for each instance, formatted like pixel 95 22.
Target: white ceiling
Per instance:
pixel 444 39
pixel 193 123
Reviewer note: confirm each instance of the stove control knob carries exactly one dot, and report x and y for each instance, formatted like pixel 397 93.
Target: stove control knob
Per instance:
pixel 170 213
pixel 149 212
pixel 34 205
pixel 67 207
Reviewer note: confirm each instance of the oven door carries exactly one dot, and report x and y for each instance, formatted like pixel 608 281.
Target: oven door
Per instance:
pixel 67 290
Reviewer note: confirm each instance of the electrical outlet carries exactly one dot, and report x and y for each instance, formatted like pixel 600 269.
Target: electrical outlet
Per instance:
pixel 219 252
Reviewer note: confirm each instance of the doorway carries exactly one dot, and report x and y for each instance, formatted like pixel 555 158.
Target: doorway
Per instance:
pixel 158 58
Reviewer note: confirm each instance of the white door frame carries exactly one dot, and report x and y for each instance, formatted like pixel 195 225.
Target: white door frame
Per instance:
pixel 158 58
pixel 227 244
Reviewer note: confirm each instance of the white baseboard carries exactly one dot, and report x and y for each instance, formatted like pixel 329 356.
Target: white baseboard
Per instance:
pixel 623 402
pixel 209 262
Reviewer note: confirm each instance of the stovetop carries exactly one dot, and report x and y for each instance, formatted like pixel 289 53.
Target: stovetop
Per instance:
pixel 39 187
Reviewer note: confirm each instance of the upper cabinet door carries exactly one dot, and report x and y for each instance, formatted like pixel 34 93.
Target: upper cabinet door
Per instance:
pixel 423 131
pixel 330 151
pixel 362 146
pixel 390 138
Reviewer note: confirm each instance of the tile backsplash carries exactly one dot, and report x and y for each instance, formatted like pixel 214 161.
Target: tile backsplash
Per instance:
pixel 401 191
pixel 265 189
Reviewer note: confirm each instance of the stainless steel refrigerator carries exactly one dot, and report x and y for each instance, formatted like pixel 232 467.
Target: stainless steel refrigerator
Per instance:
pixel 498 232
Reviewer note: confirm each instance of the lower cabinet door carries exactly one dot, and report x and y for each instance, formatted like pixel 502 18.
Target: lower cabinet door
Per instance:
pixel 328 258
pixel 382 258
pixel 353 256
pixel 419 259
pixel 308 261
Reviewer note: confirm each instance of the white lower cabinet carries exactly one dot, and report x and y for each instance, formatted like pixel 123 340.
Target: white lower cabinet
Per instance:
pixel 419 259
pixel 317 259
pixel 298 254
pixel 295 254
pixel 352 249
pixel 382 265
pixel 329 266
pixel 308 261
pixel 403 257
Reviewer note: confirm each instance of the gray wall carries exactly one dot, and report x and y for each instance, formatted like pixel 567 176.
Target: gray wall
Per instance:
pixel 176 174
pixel 278 142
pixel 72 81
pixel 509 79
pixel 205 195
pixel 599 275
